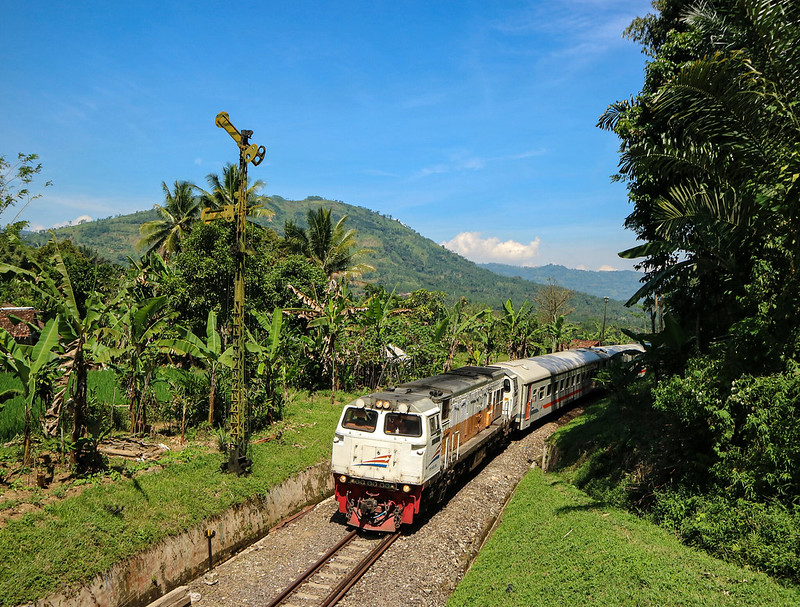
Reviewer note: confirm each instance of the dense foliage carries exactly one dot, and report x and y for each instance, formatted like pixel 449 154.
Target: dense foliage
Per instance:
pixel 711 156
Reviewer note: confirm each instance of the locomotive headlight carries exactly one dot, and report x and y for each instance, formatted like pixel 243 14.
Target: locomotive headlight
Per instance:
pixel 342 479
pixel 406 488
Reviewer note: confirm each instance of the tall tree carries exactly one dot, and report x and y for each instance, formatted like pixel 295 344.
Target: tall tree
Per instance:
pixel 330 246
pixel 180 210
pixel 552 301
pixel 16 179
pixel 710 154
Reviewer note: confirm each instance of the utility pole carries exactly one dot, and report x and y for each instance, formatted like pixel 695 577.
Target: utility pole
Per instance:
pixel 238 449
pixel 603 332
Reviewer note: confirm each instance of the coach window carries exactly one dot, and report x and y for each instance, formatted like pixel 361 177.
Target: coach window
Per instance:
pixel 364 420
pixel 541 393
pixel 402 424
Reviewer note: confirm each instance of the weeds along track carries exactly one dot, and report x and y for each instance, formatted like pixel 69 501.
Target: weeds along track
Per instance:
pixel 329 579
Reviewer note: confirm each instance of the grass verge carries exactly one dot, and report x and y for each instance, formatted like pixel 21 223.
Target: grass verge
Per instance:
pixel 557 546
pixel 73 539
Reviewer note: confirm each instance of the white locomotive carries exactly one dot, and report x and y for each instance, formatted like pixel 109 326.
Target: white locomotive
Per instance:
pixel 391 447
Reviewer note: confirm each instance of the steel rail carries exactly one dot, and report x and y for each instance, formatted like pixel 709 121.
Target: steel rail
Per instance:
pixel 314 568
pixel 337 593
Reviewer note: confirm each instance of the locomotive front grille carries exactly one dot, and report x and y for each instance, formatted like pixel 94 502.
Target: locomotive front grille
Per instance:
pixel 370 483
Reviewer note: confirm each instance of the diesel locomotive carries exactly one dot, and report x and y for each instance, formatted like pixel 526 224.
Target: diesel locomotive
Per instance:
pixel 394 450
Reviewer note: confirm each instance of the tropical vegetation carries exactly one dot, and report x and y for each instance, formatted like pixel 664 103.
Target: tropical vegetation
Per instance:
pixel 709 153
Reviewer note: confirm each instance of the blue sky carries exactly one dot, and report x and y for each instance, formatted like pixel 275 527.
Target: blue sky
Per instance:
pixel 471 122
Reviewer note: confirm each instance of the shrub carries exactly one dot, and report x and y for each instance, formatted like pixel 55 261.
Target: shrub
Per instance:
pixel 763 535
pixel 764 459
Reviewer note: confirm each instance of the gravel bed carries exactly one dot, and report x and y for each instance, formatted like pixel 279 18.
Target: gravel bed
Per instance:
pixel 422 568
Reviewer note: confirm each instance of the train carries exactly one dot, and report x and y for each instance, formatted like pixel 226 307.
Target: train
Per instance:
pixel 399 449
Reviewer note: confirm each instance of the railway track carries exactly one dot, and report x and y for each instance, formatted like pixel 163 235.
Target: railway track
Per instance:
pixel 328 580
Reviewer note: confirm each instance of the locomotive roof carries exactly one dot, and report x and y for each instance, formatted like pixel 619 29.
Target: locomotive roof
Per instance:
pixel 542 367
pixel 453 381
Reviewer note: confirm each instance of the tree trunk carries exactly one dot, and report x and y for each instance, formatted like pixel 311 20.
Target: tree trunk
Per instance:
pixel 211 394
pixel 79 399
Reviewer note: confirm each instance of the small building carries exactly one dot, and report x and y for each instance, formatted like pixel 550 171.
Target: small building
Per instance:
pixel 576 344
pixel 19 329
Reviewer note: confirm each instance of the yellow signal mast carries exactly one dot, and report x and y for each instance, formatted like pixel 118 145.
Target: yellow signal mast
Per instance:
pixel 238 450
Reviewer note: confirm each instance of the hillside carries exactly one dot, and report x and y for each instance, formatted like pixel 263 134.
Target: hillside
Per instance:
pixel 403 259
pixel 618 284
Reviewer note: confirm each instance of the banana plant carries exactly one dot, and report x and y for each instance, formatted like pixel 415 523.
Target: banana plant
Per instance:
pixel 455 328
pixel 79 336
pixel 137 343
pixel 518 328
pixel 271 364
pixel 331 317
pixel 207 353
pixel 31 364
pixel 559 331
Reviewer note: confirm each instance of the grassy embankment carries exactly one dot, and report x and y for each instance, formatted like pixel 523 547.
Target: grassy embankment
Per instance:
pixel 72 539
pixel 568 538
pixel 557 546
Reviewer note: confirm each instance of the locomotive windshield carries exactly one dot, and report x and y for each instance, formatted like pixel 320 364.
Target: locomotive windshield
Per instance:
pixel 402 424
pixel 360 419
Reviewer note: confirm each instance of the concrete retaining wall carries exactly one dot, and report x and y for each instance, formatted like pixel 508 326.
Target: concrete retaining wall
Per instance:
pixel 181 558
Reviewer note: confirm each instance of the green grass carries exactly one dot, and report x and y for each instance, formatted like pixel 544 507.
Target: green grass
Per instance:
pixel 70 541
pixel 557 546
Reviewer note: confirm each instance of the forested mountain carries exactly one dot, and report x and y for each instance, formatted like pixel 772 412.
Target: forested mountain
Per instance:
pixel 619 284
pixel 403 259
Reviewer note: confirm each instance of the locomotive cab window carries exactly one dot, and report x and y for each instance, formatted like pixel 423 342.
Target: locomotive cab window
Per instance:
pixel 402 424
pixel 364 420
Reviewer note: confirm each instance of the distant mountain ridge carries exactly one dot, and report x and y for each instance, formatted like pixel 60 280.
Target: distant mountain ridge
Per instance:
pixel 403 259
pixel 616 284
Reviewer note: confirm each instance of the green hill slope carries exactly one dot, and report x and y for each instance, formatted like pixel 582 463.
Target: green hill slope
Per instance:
pixel 403 259
pixel 618 284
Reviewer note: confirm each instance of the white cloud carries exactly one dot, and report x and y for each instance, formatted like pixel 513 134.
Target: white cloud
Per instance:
pixel 35 227
pixel 607 268
pixel 486 250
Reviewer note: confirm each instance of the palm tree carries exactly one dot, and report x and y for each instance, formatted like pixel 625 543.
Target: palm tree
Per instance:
pixel 332 247
pixel 713 164
pixel 223 192
pixel 181 209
